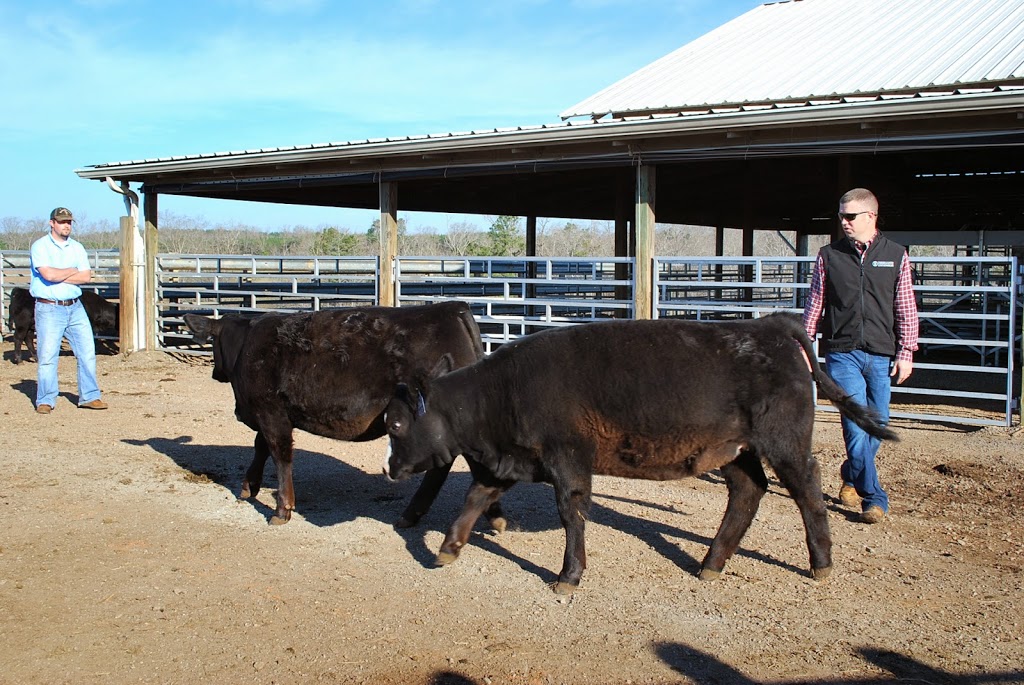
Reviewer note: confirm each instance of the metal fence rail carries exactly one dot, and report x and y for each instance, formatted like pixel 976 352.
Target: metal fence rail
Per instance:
pixel 222 284
pixel 515 296
pixel 969 306
pixel 723 288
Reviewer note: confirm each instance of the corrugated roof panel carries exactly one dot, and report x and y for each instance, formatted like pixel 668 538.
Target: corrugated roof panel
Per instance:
pixel 808 49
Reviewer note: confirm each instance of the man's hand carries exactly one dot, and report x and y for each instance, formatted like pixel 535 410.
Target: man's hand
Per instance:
pixel 902 370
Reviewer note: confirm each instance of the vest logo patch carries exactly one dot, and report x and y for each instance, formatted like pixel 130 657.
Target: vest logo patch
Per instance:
pixel 878 263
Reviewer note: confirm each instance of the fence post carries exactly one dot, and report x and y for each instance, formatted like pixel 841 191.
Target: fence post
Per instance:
pixel 388 243
pixel 645 218
pixel 150 238
pixel 127 327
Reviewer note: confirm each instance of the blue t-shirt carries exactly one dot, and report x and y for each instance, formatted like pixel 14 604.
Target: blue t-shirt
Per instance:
pixel 48 252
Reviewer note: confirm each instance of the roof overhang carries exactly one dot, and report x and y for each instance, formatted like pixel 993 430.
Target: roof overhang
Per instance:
pixel 877 123
pixel 567 169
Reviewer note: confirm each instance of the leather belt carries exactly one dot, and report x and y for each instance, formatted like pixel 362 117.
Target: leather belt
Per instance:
pixel 62 303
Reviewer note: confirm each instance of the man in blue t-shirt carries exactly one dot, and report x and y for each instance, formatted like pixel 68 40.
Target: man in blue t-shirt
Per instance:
pixel 59 266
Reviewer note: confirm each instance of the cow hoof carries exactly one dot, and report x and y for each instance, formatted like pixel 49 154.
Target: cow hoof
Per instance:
pixel 276 520
pixel 445 558
pixel 821 573
pixel 499 524
pixel 404 522
pixel 561 588
pixel 709 574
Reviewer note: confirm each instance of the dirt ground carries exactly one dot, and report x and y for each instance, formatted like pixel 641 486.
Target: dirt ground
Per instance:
pixel 125 558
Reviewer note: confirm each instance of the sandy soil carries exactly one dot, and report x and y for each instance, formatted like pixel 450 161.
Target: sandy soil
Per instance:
pixel 125 558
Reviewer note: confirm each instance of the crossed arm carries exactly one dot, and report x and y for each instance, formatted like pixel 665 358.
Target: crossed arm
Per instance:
pixel 68 275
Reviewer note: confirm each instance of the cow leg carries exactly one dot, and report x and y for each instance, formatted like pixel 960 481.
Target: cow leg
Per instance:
pixel 804 485
pixel 31 345
pixel 573 496
pixel 747 484
pixel 425 495
pixel 281 445
pixel 17 347
pixel 278 443
pixel 479 498
pixel 494 512
pixel 433 479
pixel 254 476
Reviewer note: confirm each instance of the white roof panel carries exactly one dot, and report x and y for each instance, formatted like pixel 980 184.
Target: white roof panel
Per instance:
pixel 812 49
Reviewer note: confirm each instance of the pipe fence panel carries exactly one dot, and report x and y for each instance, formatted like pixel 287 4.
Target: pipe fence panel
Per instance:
pixel 515 296
pixel 725 288
pixel 234 284
pixel 966 372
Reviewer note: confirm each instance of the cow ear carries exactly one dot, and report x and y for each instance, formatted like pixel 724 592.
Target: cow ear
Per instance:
pixel 413 398
pixel 202 327
pixel 444 365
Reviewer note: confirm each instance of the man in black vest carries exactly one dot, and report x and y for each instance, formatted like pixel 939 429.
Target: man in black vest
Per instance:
pixel 862 295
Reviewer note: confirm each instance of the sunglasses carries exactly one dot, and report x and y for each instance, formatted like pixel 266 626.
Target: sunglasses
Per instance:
pixel 847 216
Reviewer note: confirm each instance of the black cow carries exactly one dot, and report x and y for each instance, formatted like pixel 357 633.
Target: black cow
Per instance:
pixel 21 319
pixel 637 399
pixel 332 373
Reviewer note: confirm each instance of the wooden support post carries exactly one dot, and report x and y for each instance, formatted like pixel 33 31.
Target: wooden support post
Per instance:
pixel 126 329
pixel 622 244
pixel 531 267
pixel 719 250
pixel 388 243
pixel 643 277
pixel 747 249
pixel 531 236
pixel 844 176
pixel 151 238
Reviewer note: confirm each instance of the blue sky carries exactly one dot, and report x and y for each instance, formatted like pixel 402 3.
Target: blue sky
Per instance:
pixel 92 81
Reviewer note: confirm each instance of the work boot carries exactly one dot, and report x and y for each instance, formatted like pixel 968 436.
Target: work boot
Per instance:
pixel 95 404
pixel 848 496
pixel 44 409
pixel 873 514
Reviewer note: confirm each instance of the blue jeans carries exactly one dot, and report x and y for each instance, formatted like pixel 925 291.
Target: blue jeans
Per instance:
pixel 865 377
pixel 54 322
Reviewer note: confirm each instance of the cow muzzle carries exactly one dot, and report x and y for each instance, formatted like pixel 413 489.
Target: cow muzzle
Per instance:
pixel 391 469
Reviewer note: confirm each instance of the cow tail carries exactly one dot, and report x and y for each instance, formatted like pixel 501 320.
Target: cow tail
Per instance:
pixel 865 417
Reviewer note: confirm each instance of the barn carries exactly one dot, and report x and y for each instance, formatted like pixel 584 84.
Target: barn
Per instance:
pixel 759 124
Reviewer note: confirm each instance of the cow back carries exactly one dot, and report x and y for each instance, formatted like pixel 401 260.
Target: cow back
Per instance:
pixel 656 390
pixel 332 372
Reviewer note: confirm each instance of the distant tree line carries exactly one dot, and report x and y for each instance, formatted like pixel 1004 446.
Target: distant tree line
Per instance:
pixel 505 236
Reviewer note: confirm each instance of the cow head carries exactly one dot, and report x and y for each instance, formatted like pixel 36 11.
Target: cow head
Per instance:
pixel 418 438
pixel 107 317
pixel 228 334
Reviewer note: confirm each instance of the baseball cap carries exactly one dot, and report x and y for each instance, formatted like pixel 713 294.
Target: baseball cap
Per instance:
pixel 61 214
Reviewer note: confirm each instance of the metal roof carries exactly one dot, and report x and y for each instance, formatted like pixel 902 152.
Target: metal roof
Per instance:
pixel 531 141
pixel 802 50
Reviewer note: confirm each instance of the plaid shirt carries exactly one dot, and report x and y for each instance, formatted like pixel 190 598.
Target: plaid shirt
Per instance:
pixel 905 306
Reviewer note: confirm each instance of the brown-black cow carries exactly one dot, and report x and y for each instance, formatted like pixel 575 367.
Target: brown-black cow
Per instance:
pixel 638 399
pixel 332 373
pixel 21 319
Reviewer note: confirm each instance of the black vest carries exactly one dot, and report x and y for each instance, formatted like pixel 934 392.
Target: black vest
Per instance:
pixel 860 296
